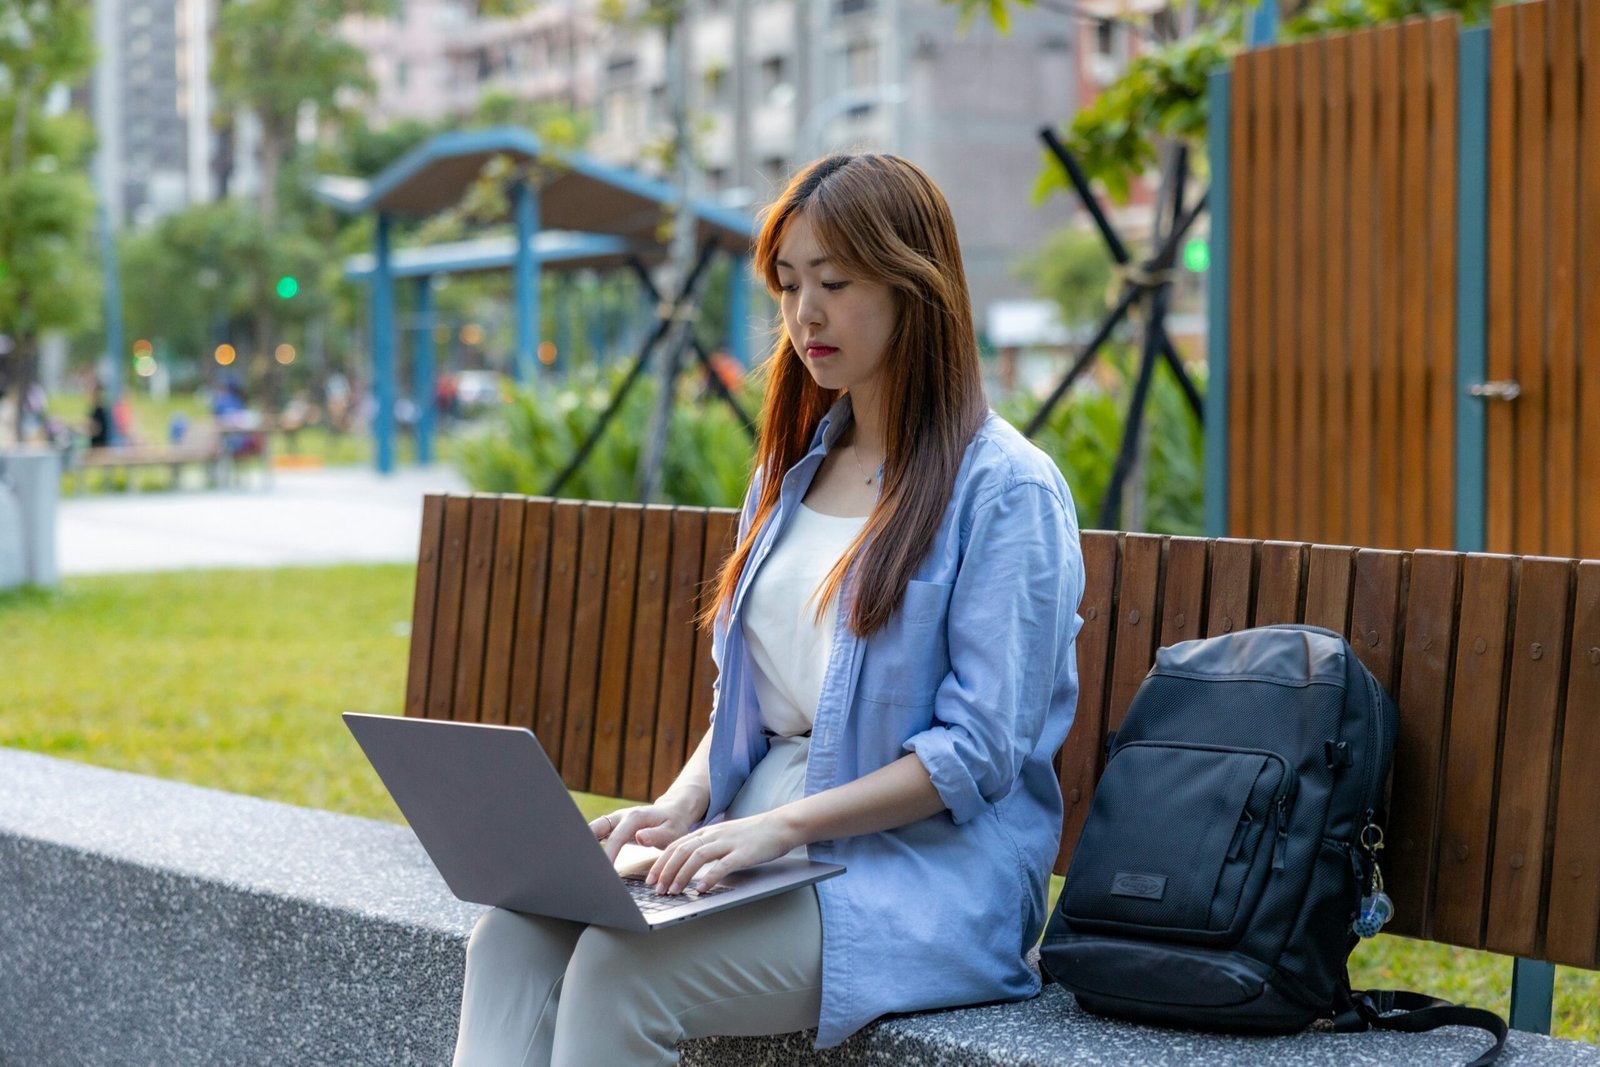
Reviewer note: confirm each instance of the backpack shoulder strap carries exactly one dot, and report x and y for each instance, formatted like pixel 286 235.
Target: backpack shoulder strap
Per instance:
pixel 1413 1013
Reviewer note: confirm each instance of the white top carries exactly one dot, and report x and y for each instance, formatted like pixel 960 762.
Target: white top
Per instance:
pixel 788 646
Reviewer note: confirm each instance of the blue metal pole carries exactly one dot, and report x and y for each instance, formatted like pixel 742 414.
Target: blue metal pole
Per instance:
pixel 1262 27
pixel 1472 265
pixel 383 359
pixel 422 373
pixel 739 309
pixel 526 360
pixel 1533 992
pixel 1220 104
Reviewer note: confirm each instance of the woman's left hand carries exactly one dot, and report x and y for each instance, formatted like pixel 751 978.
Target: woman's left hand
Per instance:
pixel 711 853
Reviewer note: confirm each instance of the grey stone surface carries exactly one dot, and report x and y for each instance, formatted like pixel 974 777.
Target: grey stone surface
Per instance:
pixel 152 923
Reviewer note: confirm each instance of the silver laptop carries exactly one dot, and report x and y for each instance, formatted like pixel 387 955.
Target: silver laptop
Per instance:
pixel 496 819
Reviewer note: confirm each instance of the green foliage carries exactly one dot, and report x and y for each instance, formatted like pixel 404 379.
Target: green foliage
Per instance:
pixel 534 437
pixel 1084 434
pixel 47 274
pixel 1072 269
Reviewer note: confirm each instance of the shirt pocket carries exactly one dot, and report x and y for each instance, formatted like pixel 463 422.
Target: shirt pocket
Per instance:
pixel 906 660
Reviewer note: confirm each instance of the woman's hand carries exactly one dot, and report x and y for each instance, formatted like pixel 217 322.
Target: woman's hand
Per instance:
pixel 711 853
pixel 656 825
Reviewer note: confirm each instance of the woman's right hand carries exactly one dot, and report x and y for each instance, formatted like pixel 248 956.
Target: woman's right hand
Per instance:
pixel 655 825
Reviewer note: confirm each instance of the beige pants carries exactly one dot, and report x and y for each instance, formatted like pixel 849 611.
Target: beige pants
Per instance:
pixel 546 991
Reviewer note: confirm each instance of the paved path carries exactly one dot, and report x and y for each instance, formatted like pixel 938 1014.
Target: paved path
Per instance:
pixel 345 515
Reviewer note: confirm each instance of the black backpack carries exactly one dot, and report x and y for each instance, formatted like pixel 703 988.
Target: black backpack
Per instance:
pixel 1229 855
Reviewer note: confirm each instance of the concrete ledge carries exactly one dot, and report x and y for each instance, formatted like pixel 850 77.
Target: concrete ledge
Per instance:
pixel 149 922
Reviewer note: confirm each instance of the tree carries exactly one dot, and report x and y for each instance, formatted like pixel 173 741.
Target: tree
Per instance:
pixel 47 275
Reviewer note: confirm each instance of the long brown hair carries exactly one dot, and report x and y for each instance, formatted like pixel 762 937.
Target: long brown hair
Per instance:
pixel 880 218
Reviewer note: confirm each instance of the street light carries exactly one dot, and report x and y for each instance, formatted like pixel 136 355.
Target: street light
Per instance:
pixel 818 118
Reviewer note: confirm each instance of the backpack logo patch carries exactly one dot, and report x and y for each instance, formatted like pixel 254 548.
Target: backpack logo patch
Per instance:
pixel 1144 886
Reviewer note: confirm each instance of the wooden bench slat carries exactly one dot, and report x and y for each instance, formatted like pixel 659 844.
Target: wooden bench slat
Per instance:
pixel 566 525
pixel 653 587
pixel 1138 619
pixel 1375 611
pixel 423 605
pixel 1232 586
pixel 494 704
pixel 1183 596
pixel 533 588
pixel 722 528
pixel 1430 630
pixel 588 631
pixel 483 516
pixel 1329 574
pixel 678 648
pixel 1538 669
pixel 1469 775
pixel 1279 582
pixel 616 649
pixel 1573 927
pixel 1078 764
pixel 447 610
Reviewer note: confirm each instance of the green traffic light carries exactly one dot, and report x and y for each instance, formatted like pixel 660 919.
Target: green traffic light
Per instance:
pixel 287 286
pixel 1196 254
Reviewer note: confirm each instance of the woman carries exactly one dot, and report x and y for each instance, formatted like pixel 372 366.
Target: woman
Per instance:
pixel 894 637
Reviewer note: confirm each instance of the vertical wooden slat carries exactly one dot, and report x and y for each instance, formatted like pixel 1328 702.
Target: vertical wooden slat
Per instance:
pixel 566 529
pixel 1538 669
pixel 1413 355
pixel 644 680
pixel 1312 465
pixel 1279 582
pixel 1183 594
pixel 1502 266
pixel 1466 805
pixel 423 605
pixel 1241 268
pixel 1286 440
pixel 1572 928
pixel 1257 491
pixel 533 587
pixel 1391 280
pixel 447 610
pixel 588 627
pixel 677 649
pixel 1444 55
pixel 483 517
pixel 1375 612
pixel 1561 464
pixel 722 527
pixel 1138 621
pixel 1329 572
pixel 1529 516
pixel 616 647
pixel 1588 287
pixel 494 705
pixel 1232 586
pixel 1336 224
pixel 1362 476
pixel 1079 761
pixel 1422 695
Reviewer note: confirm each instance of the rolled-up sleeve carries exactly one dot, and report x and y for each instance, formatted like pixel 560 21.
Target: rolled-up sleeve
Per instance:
pixel 1011 624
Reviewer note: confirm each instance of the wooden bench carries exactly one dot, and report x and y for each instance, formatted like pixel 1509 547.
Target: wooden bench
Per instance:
pixel 575 619
pixel 206 449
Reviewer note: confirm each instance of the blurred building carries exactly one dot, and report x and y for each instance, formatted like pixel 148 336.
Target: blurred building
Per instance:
pixel 151 100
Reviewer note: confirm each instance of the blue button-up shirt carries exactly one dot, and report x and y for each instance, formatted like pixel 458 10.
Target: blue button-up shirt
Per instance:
pixel 976 674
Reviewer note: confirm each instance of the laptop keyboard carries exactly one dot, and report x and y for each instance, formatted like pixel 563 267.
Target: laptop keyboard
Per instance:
pixel 649 901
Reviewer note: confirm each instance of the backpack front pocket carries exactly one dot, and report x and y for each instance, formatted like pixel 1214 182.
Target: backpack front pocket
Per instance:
pixel 1179 841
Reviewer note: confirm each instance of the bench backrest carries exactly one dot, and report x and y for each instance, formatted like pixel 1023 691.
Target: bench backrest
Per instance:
pixel 576 619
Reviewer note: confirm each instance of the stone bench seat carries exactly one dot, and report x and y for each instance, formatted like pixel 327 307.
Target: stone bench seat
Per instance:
pixel 152 922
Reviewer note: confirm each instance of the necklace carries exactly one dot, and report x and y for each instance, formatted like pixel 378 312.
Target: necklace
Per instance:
pixel 855 457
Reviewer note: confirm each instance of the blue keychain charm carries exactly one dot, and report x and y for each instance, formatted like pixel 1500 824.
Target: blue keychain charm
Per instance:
pixel 1376 907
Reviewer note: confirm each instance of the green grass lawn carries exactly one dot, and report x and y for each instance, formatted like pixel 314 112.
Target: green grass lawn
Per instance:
pixel 235 680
